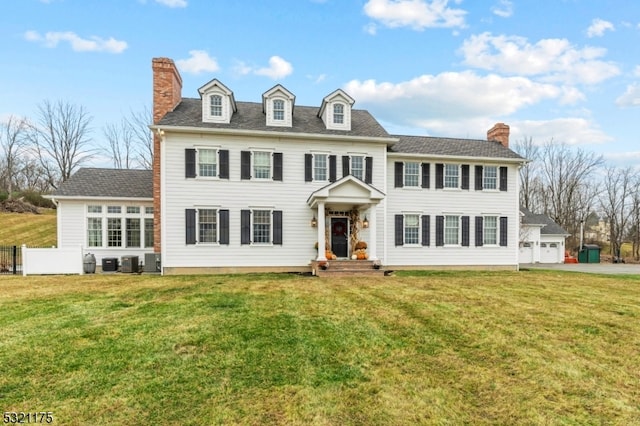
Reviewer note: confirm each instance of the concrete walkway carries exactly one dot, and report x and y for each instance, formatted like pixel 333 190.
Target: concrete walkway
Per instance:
pixel 593 268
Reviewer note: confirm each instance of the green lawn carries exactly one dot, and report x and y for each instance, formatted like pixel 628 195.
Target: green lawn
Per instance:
pixel 533 347
pixel 35 230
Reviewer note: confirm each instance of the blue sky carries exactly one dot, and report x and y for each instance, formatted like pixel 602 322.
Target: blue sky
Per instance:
pixel 567 70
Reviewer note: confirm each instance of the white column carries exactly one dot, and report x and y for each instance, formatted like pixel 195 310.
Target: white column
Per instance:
pixel 373 255
pixel 322 249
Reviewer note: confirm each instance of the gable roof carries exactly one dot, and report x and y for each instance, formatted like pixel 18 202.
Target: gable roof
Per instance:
pixel 107 183
pixel 549 227
pixel 452 147
pixel 250 116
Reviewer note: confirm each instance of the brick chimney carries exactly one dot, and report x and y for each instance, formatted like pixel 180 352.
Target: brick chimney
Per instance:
pixel 499 133
pixel 167 93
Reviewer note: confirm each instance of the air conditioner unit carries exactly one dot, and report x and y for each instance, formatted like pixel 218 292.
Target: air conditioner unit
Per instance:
pixel 130 264
pixel 109 264
pixel 151 262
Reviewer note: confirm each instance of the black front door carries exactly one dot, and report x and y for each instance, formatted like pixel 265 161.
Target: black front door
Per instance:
pixel 339 236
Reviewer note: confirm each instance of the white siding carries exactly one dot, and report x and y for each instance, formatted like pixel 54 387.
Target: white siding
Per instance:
pixel 439 202
pixel 290 196
pixel 72 228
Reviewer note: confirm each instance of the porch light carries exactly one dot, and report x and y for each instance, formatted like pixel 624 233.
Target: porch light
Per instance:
pixel 314 222
pixel 365 222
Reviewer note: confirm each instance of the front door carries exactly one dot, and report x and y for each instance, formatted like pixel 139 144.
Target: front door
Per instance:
pixel 339 236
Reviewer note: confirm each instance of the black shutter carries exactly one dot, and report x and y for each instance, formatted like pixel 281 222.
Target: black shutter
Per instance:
pixel 465 176
pixel 277 227
pixel 479 230
pixel 245 165
pixel 439 230
pixel 277 166
pixel 465 231
pixel 439 176
pixel 399 174
pixel 478 178
pixel 399 230
pixel 503 231
pixel 426 230
pixel 426 175
pixel 224 226
pixel 345 165
pixel 189 163
pixel 308 167
pixel 190 225
pixel 245 226
pixel 224 163
pixel 368 170
pixel 503 178
pixel 332 168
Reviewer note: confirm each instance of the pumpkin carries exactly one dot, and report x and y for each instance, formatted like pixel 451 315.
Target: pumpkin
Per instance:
pixel 361 245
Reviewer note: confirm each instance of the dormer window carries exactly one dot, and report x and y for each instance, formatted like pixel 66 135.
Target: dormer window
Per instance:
pixel 216 105
pixel 277 106
pixel 338 114
pixel 335 111
pixel 278 110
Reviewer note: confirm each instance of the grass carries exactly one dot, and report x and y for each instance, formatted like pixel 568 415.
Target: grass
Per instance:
pixel 35 230
pixel 533 347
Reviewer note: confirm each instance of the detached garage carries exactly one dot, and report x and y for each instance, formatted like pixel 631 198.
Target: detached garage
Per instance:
pixel 542 240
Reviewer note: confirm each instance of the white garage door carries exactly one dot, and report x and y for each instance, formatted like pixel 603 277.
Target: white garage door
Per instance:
pixel 526 252
pixel 549 253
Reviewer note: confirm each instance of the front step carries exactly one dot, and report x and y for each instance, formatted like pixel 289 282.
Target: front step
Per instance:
pixel 336 268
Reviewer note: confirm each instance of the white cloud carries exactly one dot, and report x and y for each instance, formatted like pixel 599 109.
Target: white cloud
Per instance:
pixel 550 59
pixel 636 71
pixel 428 100
pixel 503 9
pixel 78 44
pixel 371 28
pixel 631 97
pixel 241 68
pixel 198 62
pixel 416 14
pixel 278 68
pixel 173 3
pixel 598 27
pixel 570 130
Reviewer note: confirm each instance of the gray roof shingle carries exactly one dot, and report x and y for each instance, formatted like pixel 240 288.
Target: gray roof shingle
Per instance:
pixel 249 116
pixel 550 227
pixel 476 148
pixel 117 183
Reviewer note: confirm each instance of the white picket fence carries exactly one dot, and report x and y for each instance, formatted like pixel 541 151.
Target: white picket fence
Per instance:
pixel 52 261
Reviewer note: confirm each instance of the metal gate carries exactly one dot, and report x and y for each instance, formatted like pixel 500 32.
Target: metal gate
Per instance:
pixel 10 260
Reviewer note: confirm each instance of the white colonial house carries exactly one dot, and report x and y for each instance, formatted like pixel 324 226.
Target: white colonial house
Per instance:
pixel 275 186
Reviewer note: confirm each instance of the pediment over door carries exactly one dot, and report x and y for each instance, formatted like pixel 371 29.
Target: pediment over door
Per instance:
pixel 346 192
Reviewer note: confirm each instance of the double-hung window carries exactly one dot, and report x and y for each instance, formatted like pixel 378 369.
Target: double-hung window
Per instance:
pixel 451 230
pixel 94 231
pixel 338 114
pixel 320 167
pixel 490 177
pixel 208 162
pixel 490 230
pixel 411 174
pixel 261 165
pixel 261 226
pixel 207 226
pixel 216 105
pixel 278 110
pixel 357 166
pixel 451 176
pixel 411 229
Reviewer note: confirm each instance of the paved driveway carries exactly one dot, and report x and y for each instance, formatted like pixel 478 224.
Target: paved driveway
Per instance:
pixel 593 268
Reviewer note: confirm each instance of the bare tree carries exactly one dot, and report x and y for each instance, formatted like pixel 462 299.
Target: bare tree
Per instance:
pixel 61 139
pixel 131 141
pixel 634 234
pixel 616 203
pixel 143 138
pixel 529 173
pixel 12 139
pixel 568 180
pixel 120 139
